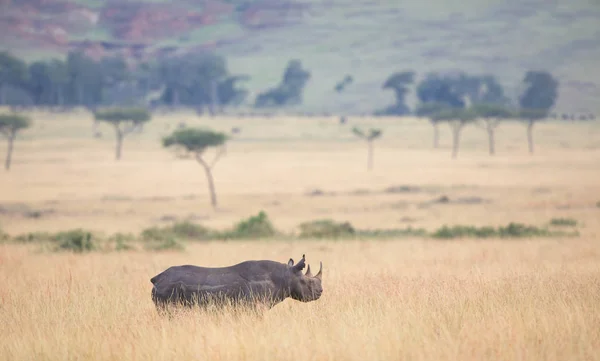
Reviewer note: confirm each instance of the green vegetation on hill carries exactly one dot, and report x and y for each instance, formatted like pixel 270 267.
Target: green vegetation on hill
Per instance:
pixel 365 39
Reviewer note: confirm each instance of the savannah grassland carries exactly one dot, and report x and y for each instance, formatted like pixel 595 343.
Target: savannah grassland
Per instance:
pixel 384 299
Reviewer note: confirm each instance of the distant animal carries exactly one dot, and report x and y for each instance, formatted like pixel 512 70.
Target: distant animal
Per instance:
pixel 253 283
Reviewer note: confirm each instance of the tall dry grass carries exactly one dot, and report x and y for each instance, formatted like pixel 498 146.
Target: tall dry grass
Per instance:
pixel 530 300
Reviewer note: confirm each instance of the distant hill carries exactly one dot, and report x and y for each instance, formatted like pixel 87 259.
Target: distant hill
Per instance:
pixel 367 39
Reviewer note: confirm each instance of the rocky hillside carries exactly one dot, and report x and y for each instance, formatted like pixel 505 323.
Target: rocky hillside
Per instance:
pixel 365 38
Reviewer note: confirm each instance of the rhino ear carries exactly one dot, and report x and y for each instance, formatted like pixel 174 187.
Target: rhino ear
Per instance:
pixel 290 262
pixel 300 265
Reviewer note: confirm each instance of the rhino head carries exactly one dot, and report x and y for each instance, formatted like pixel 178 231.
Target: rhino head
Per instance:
pixel 304 287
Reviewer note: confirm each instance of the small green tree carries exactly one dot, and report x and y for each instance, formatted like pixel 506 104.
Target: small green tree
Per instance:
pixel 536 101
pixel 491 115
pixel 369 137
pixel 124 120
pixel 398 82
pixel 196 141
pixel 10 124
pixel 531 116
pixel 427 110
pixel 457 118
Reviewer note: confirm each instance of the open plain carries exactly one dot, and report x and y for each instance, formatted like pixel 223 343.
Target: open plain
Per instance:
pixel 409 298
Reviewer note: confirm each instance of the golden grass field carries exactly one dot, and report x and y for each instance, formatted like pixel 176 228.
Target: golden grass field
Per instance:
pixel 404 299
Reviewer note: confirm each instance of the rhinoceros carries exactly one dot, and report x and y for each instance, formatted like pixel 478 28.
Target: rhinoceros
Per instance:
pixel 262 283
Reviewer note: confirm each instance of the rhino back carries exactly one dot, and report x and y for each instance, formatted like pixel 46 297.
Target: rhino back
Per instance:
pixel 258 278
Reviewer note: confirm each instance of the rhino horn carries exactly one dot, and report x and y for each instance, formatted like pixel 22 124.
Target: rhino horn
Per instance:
pixel 308 273
pixel 320 274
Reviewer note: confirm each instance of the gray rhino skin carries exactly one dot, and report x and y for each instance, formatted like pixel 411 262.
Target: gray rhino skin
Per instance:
pixel 251 282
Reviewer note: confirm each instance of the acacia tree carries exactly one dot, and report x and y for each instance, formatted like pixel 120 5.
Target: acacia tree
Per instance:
pixel 537 99
pixel 369 137
pixel 427 110
pixel 197 141
pixel 457 118
pixel 399 83
pixel 124 120
pixel 10 124
pixel 491 115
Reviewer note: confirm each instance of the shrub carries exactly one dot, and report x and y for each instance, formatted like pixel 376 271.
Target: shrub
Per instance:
pixel 4 236
pixel 326 228
pixel 121 241
pixel 76 240
pixel 512 230
pixel 254 227
pixel 388 233
pixel 32 237
pixel 566 222
pixel 155 234
pixel 186 230
pixel 522 230
pixel 459 231
pixel 191 230
pixel 167 244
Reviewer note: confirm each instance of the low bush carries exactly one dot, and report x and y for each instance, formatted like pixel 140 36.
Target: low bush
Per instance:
pixel 33 237
pixel 4 236
pixel 254 227
pixel 460 231
pixel 181 230
pixel 76 240
pixel 192 231
pixel 167 244
pixel 512 230
pixel 392 233
pixel 122 241
pixel 563 222
pixel 326 228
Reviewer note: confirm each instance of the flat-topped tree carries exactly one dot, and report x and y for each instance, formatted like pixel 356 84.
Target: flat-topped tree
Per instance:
pixel 457 118
pixel 369 137
pixel 124 120
pixel 10 125
pixel 490 116
pixel 197 141
pixel 427 110
pixel 537 99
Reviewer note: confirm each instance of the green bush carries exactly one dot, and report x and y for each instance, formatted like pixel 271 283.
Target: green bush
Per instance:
pixel 155 234
pixel 459 231
pixel 4 236
pixel 33 237
pixel 513 230
pixel 122 241
pixel 167 244
pixel 189 230
pixel 254 227
pixel 76 240
pixel 185 230
pixel 326 228
pixel 392 233
pixel 563 222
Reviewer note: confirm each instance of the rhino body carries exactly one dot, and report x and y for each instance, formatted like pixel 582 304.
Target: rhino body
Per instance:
pixel 251 282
